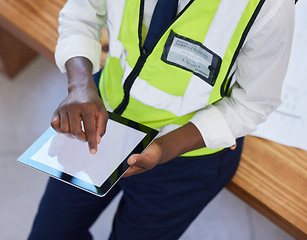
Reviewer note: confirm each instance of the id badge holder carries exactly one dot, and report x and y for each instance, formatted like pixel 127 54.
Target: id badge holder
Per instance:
pixel 192 56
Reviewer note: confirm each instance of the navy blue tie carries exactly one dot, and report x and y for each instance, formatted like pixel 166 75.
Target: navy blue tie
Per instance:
pixel 164 12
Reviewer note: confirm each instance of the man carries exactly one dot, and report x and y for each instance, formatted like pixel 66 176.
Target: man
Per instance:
pixel 212 74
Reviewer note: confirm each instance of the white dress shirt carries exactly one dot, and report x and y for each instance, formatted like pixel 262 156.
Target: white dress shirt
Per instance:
pixel 259 69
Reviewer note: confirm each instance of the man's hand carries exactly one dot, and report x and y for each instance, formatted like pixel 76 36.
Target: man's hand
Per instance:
pixel 165 148
pixel 82 105
pixel 145 161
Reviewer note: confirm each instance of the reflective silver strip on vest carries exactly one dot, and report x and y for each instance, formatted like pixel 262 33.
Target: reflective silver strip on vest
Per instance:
pixel 154 97
pixel 224 24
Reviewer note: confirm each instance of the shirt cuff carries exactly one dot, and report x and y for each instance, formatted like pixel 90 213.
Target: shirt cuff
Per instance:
pixel 213 128
pixel 77 46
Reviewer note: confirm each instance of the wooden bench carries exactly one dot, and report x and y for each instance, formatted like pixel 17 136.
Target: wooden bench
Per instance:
pixel 272 178
pixel 28 27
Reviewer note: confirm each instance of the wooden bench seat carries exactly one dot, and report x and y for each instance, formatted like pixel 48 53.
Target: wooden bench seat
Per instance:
pixel 34 25
pixel 272 178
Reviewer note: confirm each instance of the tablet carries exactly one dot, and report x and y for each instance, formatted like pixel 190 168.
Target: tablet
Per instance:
pixel 69 159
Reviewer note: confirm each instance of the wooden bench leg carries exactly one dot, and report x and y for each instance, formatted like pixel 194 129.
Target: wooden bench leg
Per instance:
pixel 14 54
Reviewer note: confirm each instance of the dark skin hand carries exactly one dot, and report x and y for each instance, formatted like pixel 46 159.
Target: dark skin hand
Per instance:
pixel 84 104
pixel 165 148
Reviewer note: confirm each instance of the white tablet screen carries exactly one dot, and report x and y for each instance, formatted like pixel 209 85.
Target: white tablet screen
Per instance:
pixel 72 156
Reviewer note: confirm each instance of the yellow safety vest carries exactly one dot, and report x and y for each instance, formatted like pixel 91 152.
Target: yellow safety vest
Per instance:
pixel 186 70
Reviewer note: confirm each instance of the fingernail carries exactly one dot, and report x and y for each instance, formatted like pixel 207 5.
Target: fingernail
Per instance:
pixel 98 139
pixel 93 151
pixel 132 161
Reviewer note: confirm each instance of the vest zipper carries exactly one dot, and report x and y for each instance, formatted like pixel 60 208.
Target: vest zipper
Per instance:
pixel 137 68
pixel 130 80
pixel 142 59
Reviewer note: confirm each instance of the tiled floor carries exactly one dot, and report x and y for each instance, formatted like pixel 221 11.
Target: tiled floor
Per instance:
pixel 26 106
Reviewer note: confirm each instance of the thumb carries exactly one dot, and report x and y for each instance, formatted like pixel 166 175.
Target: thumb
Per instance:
pixel 143 160
pixel 133 159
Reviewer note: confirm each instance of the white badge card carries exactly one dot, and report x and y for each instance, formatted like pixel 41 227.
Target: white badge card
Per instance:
pixel 192 56
pixel 69 159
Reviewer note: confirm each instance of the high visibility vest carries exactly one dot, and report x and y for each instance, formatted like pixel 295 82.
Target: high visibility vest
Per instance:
pixel 186 70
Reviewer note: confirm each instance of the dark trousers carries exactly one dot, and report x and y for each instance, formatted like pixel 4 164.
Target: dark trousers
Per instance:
pixel 158 204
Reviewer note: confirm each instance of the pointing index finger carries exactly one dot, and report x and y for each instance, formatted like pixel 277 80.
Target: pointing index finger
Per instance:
pixel 90 131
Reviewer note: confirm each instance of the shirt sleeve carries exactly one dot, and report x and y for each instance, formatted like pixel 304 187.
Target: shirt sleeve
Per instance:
pixel 260 71
pixel 80 25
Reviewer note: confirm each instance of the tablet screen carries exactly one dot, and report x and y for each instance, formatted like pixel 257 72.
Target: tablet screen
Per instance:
pixel 69 159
